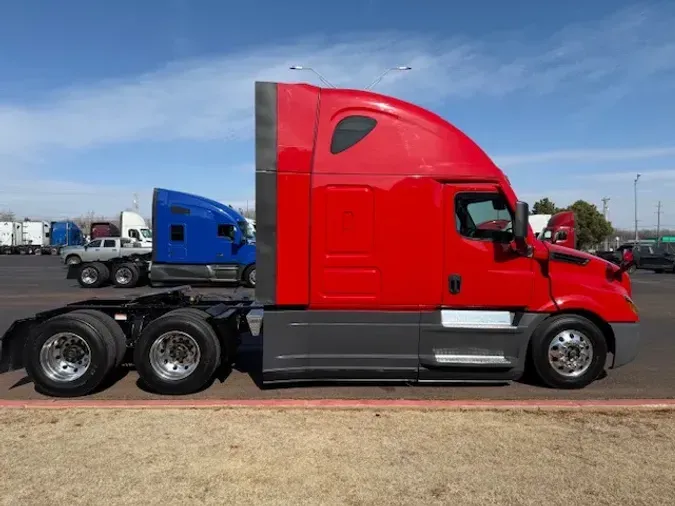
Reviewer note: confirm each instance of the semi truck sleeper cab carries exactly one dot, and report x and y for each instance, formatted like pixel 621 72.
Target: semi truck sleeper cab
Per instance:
pixel 340 297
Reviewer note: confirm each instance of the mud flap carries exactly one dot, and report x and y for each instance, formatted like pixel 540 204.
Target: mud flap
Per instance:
pixel 73 271
pixel 12 345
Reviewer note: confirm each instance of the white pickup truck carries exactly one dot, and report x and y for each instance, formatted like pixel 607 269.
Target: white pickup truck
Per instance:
pixel 103 249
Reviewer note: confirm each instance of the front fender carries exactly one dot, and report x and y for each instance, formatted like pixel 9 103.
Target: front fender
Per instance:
pixel 615 312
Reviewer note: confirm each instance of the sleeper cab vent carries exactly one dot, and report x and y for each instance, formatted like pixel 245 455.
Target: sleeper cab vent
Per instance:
pixel 568 258
pixel 179 210
pixel 350 131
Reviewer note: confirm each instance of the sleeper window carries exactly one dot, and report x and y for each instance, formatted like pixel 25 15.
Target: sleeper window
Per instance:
pixel 349 131
pixel 483 216
pixel 177 233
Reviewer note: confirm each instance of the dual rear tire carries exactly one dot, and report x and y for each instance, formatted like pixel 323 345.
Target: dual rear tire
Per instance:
pixel 96 274
pixel 72 355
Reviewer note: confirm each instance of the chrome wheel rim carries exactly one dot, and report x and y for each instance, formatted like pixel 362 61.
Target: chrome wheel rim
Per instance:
pixel 65 357
pixel 89 275
pixel 123 276
pixel 251 277
pixel 73 261
pixel 570 353
pixel 174 355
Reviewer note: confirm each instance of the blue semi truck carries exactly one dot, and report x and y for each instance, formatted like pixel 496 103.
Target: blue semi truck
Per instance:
pixel 62 234
pixel 196 241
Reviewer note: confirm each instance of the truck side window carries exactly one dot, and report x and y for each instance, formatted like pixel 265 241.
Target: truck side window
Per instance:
pixel 177 233
pixel 95 244
pixel 134 233
pixel 349 131
pixel 109 243
pixel 226 231
pixel 561 236
pixel 483 216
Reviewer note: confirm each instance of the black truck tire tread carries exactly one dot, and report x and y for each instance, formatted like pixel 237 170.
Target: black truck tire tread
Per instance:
pixel 543 335
pixel 192 311
pixel 100 341
pixel 115 330
pixel 135 273
pixel 245 276
pixel 198 329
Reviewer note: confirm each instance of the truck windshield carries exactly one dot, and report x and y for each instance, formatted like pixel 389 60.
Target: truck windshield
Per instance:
pixel 147 233
pixel 246 229
pixel 547 235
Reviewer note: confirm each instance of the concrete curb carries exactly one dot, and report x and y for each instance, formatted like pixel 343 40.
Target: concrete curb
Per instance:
pixel 547 404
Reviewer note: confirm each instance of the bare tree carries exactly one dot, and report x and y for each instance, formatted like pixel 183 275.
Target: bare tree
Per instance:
pixel 7 215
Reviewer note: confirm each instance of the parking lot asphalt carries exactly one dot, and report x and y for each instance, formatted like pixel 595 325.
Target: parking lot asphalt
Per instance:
pixel 30 284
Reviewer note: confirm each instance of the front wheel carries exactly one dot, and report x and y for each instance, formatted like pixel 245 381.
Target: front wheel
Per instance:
pixel 73 260
pixel 568 352
pixel 248 278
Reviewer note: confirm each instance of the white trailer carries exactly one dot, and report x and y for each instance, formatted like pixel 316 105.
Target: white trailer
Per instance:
pixel 7 237
pixel 538 223
pixel 34 238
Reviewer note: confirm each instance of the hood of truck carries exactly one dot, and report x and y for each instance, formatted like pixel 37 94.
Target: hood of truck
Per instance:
pixel 579 280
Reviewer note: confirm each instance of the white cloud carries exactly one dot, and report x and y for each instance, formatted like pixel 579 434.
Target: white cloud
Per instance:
pixel 67 199
pixel 212 98
pixel 584 156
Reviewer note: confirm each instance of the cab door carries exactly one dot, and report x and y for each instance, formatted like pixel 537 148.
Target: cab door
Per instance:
pixel 480 268
pixel 476 332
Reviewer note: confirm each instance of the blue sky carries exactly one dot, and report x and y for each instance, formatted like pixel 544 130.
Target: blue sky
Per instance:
pixel 100 100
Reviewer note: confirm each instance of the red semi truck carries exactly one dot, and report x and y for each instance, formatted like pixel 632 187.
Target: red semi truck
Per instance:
pixel 341 294
pixel 560 230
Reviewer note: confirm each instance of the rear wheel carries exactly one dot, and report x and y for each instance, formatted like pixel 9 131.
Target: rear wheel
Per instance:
pixel 73 260
pixel 93 275
pixel 568 351
pixel 70 355
pixel 125 275
pixel 115 330
pixel 177 354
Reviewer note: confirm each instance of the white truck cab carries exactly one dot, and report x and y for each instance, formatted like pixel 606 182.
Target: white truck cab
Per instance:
pixel 133 226
pixel 538 223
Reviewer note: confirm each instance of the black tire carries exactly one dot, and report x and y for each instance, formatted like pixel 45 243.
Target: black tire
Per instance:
pixel 73 259
pixel 249 276
pixel 193 311
pixel 116 331
pixel 658 271
pixel 93 332
pixel 131 272
pixel 99 272
pixel 203 335
pixel 544 335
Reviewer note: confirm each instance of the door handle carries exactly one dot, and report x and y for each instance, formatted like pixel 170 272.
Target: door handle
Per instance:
pixel 454 283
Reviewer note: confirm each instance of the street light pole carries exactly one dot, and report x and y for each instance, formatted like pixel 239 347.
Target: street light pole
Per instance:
pixel 323 79
pixel 370 86
pixel 379 78
pixel 637 177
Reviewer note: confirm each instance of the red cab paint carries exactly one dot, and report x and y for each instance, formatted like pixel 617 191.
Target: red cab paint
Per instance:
pixel 561 230
pixel 373 227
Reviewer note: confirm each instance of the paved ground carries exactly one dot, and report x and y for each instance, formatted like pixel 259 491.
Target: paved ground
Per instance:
pixel 31 284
